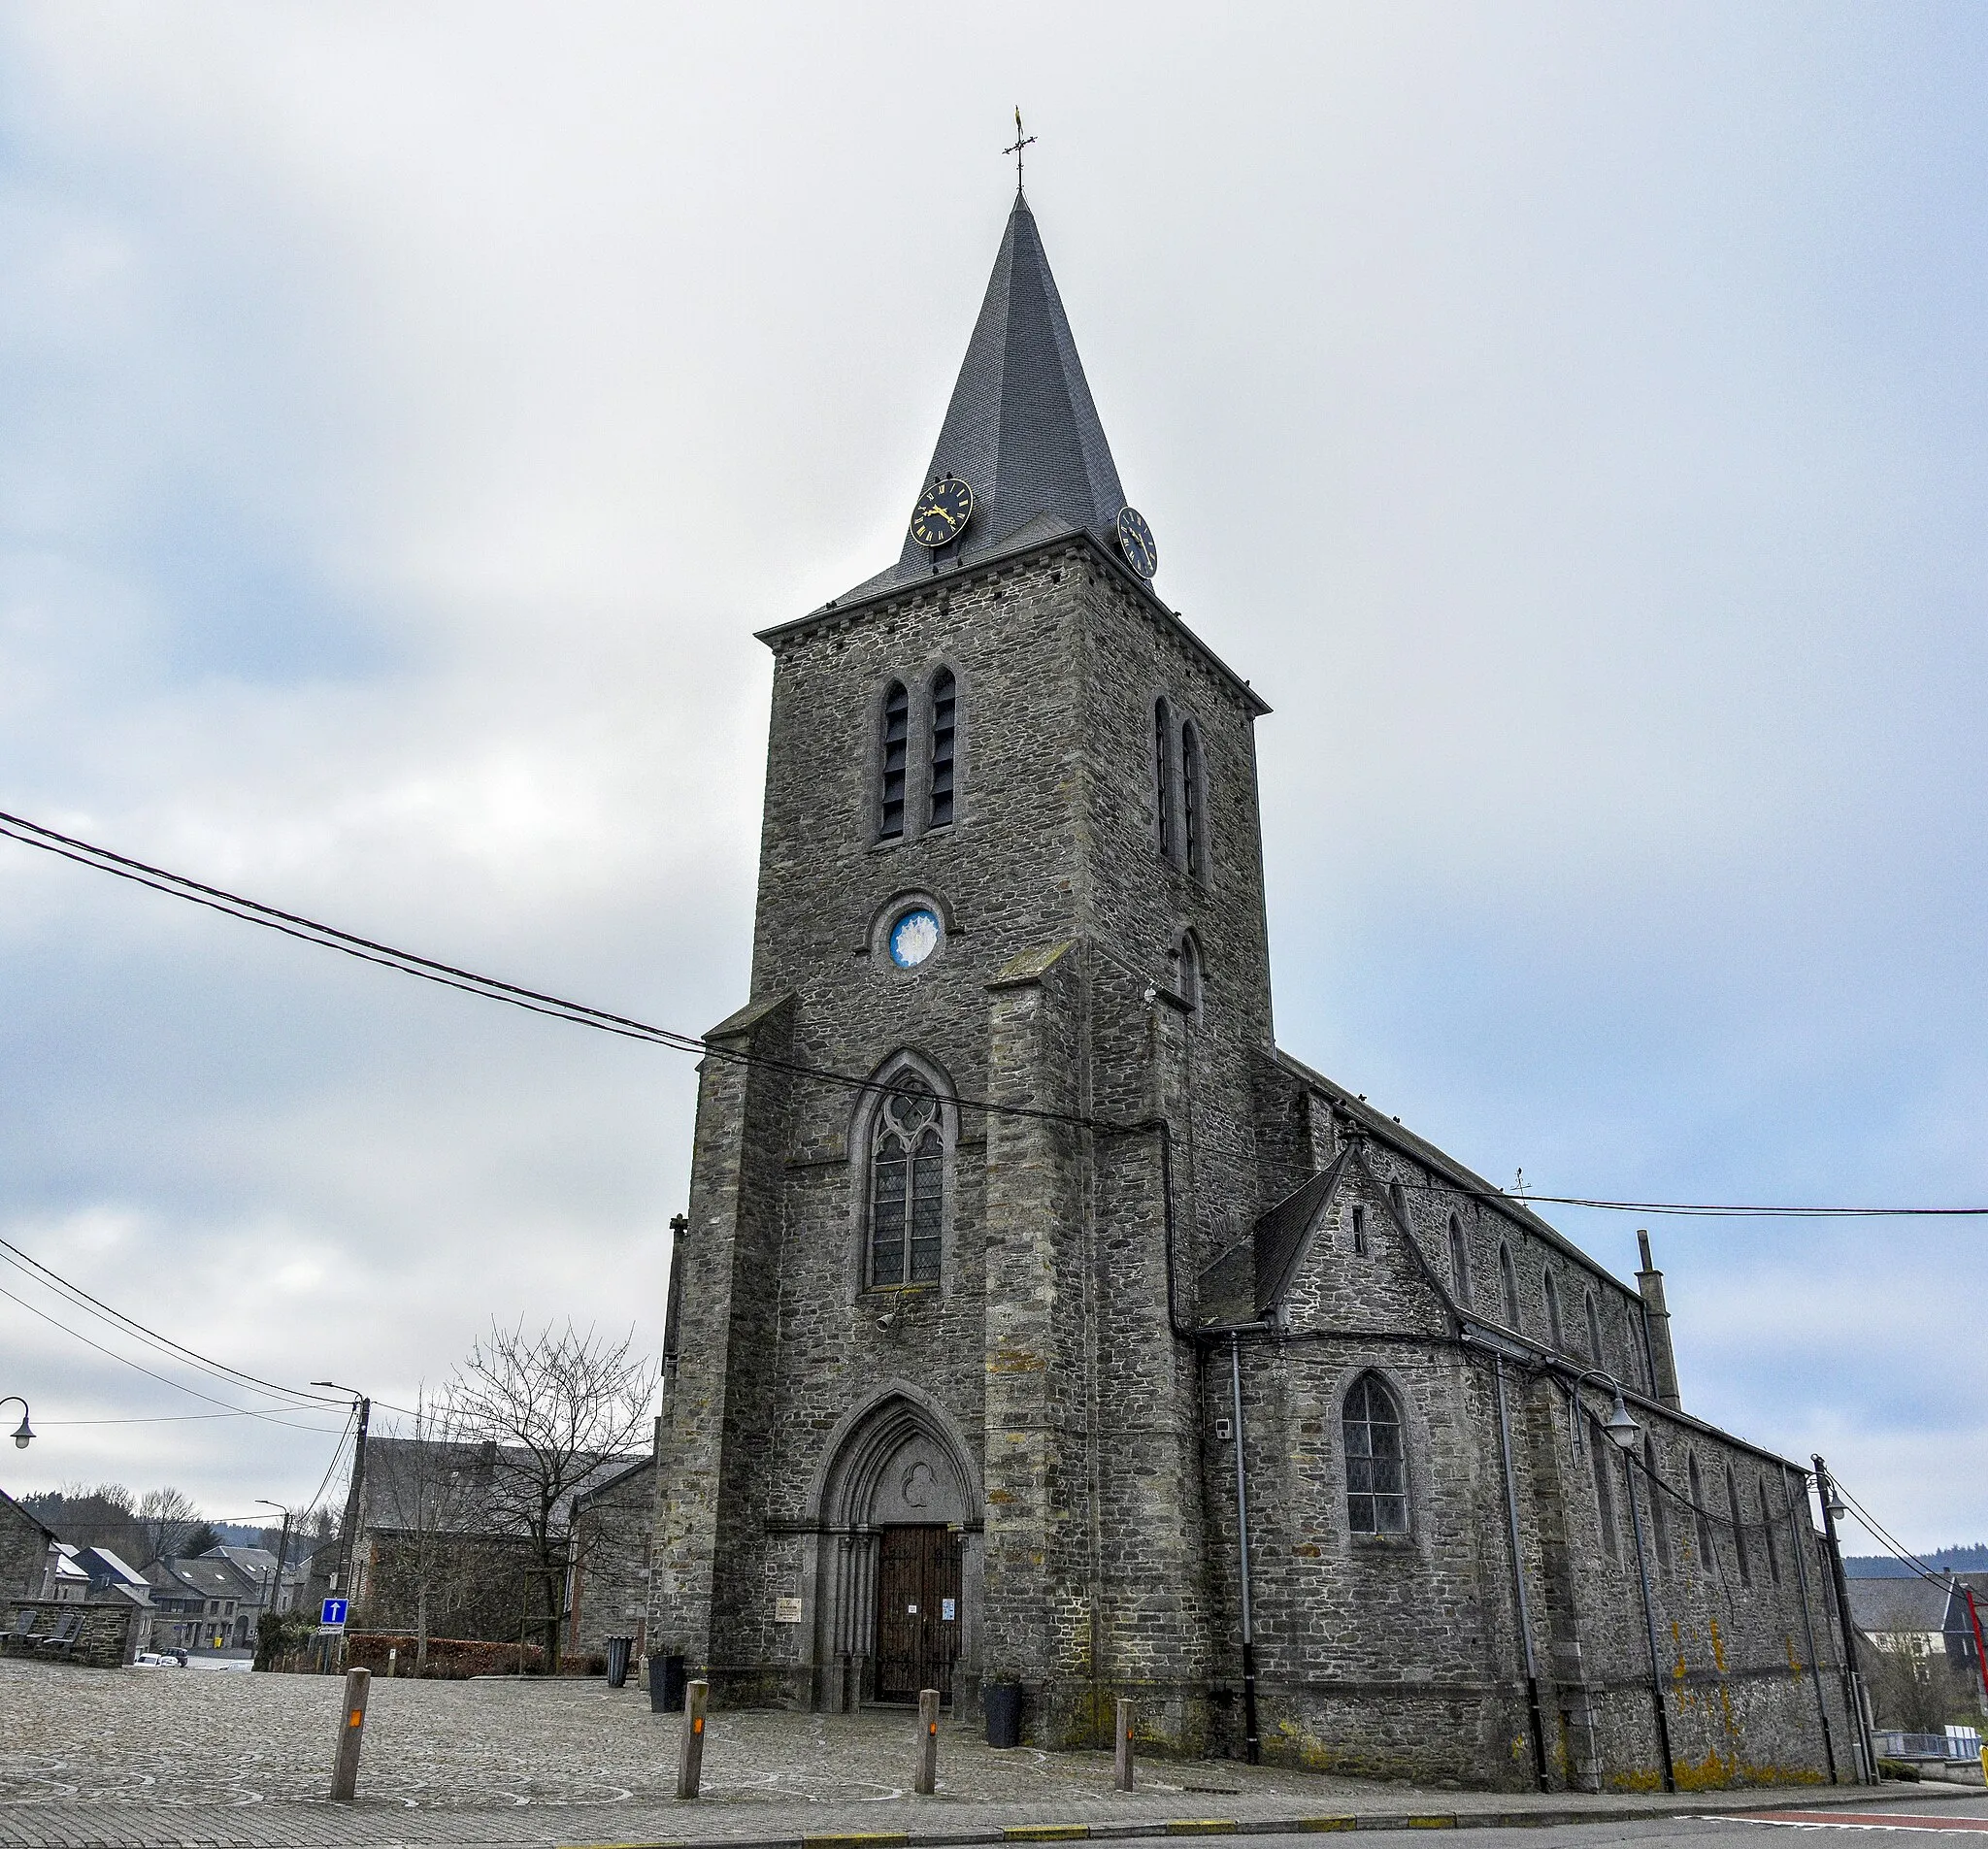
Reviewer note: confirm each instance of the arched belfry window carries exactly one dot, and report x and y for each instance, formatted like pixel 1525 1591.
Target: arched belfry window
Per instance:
pixel 897 738
pixel 906 1186
pixel 1377 1471
pixel 1508 1277
pixel 944 730
pixel 1459 1260
pixel 1191 842
pixel 1163 778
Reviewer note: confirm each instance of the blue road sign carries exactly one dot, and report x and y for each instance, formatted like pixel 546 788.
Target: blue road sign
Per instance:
pixel 332 1614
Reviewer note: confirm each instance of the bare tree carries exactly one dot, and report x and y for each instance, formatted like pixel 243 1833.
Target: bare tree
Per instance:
pixel 421 1490
pixel 166 1518
pixel 556 1406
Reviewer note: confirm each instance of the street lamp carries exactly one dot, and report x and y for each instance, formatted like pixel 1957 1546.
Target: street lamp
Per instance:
pixel 23 1435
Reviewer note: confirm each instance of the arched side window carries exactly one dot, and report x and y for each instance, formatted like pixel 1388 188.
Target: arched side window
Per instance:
pixel 1377 1470
pixel 1359 1231
pixel 1459 1262
pixel 897 737
pixel 1163 778
pixel 1192 974
pixel 1594 1317
pixel 1695 1487
pixel 1399 1196
pixel 907 1187
pixel 1556 1336
pixel 1738 1530
pixel 944 731
pixel 1508 1275
pixel 1766 1535
pixel 1660 1517
pixel 1600 1449
pixel 1193 846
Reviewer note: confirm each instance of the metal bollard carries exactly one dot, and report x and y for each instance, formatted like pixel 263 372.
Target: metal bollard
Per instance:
pixel 1121 1764
pixel 690 1758
pixel 928 1742
pixel 344 1769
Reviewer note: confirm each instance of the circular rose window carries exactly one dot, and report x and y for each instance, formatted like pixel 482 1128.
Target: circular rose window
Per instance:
pixel 913 939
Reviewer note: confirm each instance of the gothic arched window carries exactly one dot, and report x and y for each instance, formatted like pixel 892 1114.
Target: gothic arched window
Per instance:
pixel 1600 1447
pixel 1556 1336
pixel 1377 1474
pixel 1738 1530
pixel 1660 1517
pixel 906 1186
pixel 1594 1317
pixel 1163 778
pixel 1766 1535
pixel 944 730
pixel 1191 972
pixel 897 723
pixel 1695 1487
pixel 1508 1275
pixel 1459 1260
pixel 1399 1196
pixel 1191 842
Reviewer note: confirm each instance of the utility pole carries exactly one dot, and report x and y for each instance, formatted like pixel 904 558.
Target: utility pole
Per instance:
pixel 349 1529
pixel 283 1555
pixel 1866 1770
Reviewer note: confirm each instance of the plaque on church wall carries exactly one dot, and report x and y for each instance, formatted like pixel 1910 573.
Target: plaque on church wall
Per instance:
pixel 787 1612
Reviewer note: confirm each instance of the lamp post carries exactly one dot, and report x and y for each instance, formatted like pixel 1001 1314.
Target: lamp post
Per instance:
pixel 1623 1431
pixel 283 1553
pixel 23 1437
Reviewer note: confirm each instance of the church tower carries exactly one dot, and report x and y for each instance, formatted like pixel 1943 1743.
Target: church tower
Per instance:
pixel 929 1423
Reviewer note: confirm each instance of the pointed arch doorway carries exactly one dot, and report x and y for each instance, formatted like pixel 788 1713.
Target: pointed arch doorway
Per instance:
pixel 898 1552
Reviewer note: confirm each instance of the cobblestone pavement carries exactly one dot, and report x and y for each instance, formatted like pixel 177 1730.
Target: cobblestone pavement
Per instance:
pixel 148 1756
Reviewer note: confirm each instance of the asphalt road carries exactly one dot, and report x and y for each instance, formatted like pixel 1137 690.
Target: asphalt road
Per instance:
pixel 1874 1825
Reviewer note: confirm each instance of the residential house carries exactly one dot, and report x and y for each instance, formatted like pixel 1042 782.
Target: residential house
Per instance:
pixel 26 1547
pixel 1920 1617
pixel 203 1603
pixel 66 1581
pixel 607 1571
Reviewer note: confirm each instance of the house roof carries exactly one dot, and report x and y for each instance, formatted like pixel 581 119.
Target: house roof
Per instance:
pixel 7 1502
pixel 101 1562
pixel 463 1486
pixel 1898 1604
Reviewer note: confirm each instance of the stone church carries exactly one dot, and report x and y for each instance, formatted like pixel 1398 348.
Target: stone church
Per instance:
pixel 1039 1322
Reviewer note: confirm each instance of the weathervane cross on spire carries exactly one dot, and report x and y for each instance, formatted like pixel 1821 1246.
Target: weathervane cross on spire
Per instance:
pixel 1021 140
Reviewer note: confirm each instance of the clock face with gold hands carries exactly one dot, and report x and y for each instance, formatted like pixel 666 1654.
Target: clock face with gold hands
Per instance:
pixel 1136 542
pixel 943 512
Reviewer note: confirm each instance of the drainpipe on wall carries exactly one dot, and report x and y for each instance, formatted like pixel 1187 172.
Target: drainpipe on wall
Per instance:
pixel 1252 1745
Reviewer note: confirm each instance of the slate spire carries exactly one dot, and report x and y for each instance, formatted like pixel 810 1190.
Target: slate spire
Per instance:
pixel 1021 428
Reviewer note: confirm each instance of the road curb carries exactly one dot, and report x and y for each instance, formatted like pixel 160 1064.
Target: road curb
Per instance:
pixel 1799 1798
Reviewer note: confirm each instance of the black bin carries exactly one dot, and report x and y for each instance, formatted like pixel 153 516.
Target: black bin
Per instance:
pixel 1002 1702
pixel 617 1661
pixel 666 1685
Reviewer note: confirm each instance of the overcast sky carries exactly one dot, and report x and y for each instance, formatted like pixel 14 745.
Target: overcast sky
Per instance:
pixel 1571 418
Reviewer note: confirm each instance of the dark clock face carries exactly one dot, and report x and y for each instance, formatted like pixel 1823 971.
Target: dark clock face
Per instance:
pixel 1136 542
pixel 943 512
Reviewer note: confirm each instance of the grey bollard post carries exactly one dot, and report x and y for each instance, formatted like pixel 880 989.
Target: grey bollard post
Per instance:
pixel 928 1743
pixel 351 1727
pixel 1121 1765
pixel 691 1759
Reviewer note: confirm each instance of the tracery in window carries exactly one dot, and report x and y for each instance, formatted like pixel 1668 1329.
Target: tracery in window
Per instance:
pixel 1377 1474
pixel 1190 795
pixel 897 721
pixel 1163 778
pixel 906 1186
pixel 1459 1260
pixel 944 706
pixel 1738 1530
pixel 1556 1336
pixel 1508 1275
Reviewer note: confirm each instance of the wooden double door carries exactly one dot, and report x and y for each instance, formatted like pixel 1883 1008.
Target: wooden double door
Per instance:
pixel 918 1617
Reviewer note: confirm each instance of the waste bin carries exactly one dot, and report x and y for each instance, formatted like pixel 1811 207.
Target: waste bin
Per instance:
pixel 1002 1702
pixel 666 1685
pixel 617 1661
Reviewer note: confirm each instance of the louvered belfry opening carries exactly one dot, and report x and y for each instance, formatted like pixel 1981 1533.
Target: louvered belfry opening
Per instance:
pixel 897 722
pixel 945 704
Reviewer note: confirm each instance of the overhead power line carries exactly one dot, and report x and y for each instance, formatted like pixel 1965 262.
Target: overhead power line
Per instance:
pixel 290 924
